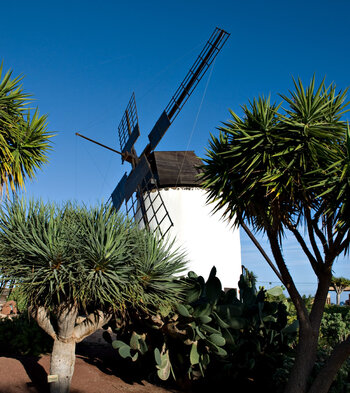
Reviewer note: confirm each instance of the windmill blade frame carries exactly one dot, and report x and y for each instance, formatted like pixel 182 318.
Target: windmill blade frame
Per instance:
pixel 143 200
pixel 187 86
pixel 139 190
pixel 128 129
pixel 162 192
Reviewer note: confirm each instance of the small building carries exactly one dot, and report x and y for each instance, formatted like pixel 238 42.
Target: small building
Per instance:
pixel 206 237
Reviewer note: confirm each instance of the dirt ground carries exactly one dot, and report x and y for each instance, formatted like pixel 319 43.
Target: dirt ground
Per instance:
pixel 97 370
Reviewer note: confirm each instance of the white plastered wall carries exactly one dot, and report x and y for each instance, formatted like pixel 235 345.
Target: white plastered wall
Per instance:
pixel 207 239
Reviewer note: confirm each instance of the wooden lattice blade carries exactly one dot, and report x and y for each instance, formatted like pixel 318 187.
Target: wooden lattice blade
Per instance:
pixel 186 88
pixel 128 129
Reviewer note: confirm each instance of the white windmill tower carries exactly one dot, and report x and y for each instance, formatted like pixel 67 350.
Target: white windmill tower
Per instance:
pixel 162 191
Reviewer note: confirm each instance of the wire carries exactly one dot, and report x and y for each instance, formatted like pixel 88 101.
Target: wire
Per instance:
pixel 278 282
pixel 76 169
pixel 170 65
pixel 195 121
pixel 103 176
pixel 97 121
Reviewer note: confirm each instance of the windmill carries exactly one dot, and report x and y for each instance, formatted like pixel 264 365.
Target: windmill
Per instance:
pixel 154 191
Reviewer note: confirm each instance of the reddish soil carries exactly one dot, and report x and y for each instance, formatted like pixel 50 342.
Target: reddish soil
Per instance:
pixel 97 370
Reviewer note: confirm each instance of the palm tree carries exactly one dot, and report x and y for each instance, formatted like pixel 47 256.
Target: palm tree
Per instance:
pixel 72 260
pixel 24 140
pixel 289 172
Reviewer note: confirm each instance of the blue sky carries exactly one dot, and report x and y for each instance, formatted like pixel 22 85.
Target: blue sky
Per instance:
pixel 83 59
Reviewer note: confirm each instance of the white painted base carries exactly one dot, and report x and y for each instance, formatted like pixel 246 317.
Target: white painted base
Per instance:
pixel 204 236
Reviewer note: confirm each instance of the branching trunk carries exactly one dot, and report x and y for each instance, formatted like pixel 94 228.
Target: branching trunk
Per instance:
pixel 327 374
pixel 306 351
pixel 308 340
pixel 63 353
pixel 65 338
pixel 93 322
pixel 42 316
pixel 297 300
pixel 320 300
pixel 66 317
pixel 308 334
pixel 262 251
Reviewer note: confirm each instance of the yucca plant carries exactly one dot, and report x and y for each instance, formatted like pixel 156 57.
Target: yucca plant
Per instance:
pixel 72 261
pixel 287 171
pixel 24 139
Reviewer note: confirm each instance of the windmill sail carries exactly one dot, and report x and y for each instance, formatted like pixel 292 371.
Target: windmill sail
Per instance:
pixel 143 200
pixel 128 129
pixel 118 195
pixel 187 86
pixel 152 213
pixel 162 191
pixel 139 190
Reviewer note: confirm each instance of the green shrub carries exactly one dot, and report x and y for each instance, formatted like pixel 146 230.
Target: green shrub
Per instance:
pixel 22 336
pixel 333 308
pixel 213 336
pixel 334 329
pixel 20 299
pixel 335 326
pixel 292 313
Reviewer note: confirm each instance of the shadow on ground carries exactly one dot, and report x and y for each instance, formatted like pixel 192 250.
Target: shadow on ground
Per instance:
pixel 104 372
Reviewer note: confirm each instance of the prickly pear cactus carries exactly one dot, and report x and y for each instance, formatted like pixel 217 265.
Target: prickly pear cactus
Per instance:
pixel 209 328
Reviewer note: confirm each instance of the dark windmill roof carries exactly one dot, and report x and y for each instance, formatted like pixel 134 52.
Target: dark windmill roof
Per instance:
pixel 175 168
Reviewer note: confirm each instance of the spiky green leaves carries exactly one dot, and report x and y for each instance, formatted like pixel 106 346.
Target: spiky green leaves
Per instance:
pixel 156 263
pixel 24 140
pixel 267 166
pixel 89 256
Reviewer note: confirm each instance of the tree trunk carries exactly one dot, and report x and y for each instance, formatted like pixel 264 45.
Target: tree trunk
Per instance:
pixel 62 365
pixel 327 374
pixel 338 298
pixel 63 352
pixel 304 362
pixel 308 340
pixel 67 335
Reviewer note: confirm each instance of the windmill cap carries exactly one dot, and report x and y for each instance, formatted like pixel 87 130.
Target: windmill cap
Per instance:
pixel 175 168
